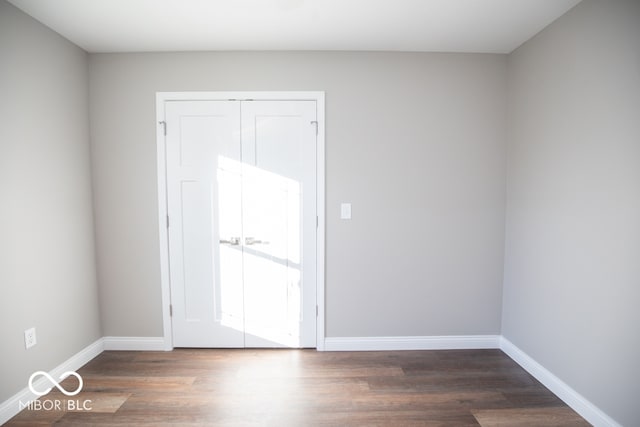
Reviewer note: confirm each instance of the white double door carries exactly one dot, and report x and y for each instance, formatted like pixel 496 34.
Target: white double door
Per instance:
pixel 241 192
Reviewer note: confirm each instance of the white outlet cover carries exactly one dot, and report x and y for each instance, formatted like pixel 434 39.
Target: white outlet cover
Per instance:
pixel 30 337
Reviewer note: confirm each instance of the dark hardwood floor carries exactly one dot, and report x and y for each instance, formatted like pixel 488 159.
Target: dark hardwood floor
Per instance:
pixel 305 388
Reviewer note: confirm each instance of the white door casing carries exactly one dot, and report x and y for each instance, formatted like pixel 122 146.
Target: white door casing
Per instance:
pixel 257 232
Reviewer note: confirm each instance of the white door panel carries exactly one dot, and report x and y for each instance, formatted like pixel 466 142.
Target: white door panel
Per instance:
pixel 202 139
pixel 241 198
pixel 278 151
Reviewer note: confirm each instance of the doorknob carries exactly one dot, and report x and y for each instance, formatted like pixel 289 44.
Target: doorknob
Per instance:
pixel 252 241
pixel 233 241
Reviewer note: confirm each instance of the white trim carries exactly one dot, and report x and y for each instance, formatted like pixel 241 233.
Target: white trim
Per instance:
pixel 320 211
pixel 161 98
pixel 454 342
pixel 11 407
pixel 575 400
pixel 240 96
pixel 163 214
pixel 134 343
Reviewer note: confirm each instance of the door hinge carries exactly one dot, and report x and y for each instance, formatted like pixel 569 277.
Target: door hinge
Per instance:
pixel 170 310
pixel 164 127
pixel 315 122
pixel 167 221
pixel 317 221
pixel 316 311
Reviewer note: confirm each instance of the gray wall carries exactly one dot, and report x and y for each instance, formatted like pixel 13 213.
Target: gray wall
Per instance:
pixel 47 261
pixel 572 270
pixel 415 141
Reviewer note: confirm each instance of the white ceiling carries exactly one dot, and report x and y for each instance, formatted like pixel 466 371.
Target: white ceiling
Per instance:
pixel 496 26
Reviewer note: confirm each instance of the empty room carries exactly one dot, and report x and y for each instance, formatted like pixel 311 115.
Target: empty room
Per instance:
pixel 320 212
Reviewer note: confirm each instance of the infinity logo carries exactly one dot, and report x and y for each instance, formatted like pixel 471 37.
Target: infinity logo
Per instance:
pixel 55 383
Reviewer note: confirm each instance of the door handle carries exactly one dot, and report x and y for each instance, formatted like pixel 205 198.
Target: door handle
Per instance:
pixel 233 241
pixel 253 241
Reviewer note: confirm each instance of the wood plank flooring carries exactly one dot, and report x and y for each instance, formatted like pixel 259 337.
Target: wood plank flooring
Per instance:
pixel 203 387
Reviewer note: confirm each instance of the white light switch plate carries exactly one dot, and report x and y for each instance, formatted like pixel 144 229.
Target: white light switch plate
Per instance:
pixel 345 211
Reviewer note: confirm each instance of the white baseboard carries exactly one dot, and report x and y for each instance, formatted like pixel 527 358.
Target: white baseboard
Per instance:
pixel 454 342
pixel 575 400
pixel 11 407
pixel 134 343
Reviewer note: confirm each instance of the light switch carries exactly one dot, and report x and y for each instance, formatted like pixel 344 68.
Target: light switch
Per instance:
pixel 345 211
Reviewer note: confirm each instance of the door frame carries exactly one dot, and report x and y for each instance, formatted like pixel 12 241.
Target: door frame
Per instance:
pixel 161 98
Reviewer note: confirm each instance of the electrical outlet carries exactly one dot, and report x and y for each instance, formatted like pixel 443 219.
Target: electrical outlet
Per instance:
pixel 30 338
